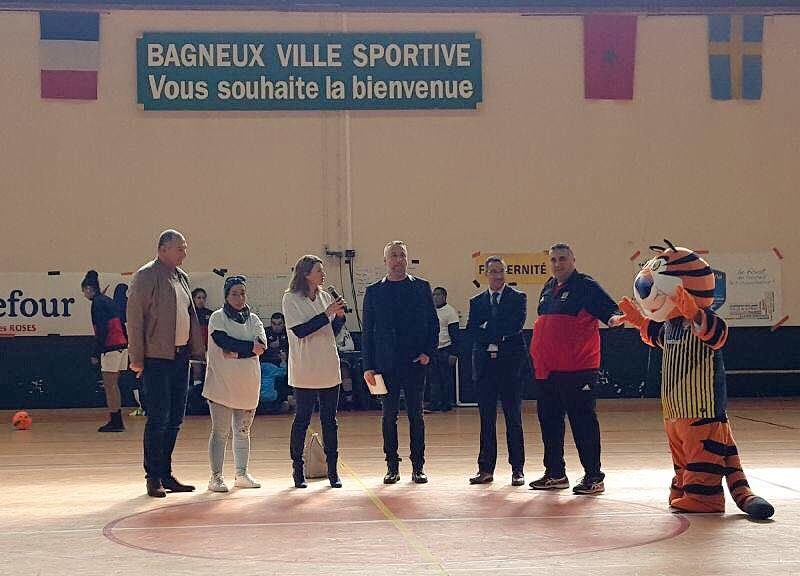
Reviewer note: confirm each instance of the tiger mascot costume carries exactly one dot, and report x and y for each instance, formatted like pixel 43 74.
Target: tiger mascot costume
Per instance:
pixel 675 291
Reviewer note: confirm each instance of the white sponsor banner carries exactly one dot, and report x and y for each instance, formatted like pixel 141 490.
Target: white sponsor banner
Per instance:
pixel 748 287
pixel 39 304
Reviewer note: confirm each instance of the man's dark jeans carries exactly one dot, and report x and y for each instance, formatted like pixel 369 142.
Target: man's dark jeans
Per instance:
pixel 410 379
pixel 164 387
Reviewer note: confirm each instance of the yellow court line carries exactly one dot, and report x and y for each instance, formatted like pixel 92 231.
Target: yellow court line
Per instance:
pixel 409 536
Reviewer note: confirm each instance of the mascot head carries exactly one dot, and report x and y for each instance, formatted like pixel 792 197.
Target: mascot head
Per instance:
pixel 656 282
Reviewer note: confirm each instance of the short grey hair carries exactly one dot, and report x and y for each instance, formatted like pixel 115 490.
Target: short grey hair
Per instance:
pixel 168 236
pixel 392 244
pixel 491 259
pixel 561 246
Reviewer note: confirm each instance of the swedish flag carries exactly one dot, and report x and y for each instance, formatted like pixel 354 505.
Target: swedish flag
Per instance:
pixel 734 56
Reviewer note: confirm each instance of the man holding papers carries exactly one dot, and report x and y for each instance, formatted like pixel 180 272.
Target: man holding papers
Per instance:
pixel 401 333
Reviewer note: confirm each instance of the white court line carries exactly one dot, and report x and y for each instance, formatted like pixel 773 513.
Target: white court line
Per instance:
pixel 470 446
pixel 339 522
pixel 456 567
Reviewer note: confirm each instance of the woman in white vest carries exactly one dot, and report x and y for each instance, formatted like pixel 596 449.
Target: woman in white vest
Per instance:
pixel 233 381
pixel 313 318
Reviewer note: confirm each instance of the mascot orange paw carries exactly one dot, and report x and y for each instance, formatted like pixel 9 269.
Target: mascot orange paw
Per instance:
pixel 685 304
pixel 757 507
pixel 631 313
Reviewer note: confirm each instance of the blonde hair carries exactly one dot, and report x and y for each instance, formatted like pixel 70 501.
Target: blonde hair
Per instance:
pixel 303 267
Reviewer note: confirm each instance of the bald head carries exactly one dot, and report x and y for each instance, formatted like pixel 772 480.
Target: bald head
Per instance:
pixel 171 248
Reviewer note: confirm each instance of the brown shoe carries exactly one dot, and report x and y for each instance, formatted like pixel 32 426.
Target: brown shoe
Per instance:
pixel 482 478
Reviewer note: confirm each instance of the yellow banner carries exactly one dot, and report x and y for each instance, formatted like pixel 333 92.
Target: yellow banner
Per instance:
pixel 521 267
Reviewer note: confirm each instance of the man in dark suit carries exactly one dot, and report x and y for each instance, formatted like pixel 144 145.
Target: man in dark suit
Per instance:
pixel 400 335
pixel 496 318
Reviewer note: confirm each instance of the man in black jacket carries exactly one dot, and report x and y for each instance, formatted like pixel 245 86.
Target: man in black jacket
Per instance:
pixel 400 335
pixel 496 318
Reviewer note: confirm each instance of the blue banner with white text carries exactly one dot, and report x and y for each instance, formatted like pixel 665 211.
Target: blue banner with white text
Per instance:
pixel 308 71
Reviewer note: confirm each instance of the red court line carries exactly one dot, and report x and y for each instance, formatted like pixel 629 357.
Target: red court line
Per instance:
pixel 682 525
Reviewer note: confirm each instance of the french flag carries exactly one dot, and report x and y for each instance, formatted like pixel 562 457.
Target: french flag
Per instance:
pixel 70 54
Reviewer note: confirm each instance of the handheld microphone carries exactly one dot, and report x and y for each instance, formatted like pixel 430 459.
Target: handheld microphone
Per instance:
pixel 332 291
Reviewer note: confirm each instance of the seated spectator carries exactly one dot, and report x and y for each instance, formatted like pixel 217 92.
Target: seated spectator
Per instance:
pixel 277 342
pixel 274 377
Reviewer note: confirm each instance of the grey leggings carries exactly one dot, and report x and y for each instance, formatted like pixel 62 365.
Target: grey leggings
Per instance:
pixel 223 421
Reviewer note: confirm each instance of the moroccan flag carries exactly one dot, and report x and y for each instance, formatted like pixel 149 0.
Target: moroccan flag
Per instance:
pixel 609 49
pixel 69 49
pixel 734 56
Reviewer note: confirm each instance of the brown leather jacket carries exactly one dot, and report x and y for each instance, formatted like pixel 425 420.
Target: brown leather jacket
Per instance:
pixel 151 315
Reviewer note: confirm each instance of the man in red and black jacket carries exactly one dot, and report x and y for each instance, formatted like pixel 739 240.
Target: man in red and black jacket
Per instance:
pixel 566 357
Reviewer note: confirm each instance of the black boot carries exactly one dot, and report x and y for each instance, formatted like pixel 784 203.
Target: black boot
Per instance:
pixel 155 489
pixel 333 475
pixel 392 473
pixel 114 423
pixel 298 476
pixel 173 485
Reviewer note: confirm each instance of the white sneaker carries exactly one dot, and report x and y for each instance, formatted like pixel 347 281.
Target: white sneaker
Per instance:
pixel 217 483
pixel 246 481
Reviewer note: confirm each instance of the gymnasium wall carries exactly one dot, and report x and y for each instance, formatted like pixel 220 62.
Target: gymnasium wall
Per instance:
pixel 91 184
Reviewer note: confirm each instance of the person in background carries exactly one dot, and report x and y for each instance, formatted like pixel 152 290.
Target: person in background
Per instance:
pixel 441 375
pixel 346 346
pixel 277 341
pixel 195 403
pixel 199 297
pixel 121 300
pixel 275 367
pixel 233 381
pixel 111 347
pixel 314 318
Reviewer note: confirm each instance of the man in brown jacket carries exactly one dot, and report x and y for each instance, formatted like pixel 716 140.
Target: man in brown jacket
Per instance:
pixel 163 333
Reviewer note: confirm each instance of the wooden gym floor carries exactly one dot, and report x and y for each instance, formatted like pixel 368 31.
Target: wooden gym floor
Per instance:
pixel 72 502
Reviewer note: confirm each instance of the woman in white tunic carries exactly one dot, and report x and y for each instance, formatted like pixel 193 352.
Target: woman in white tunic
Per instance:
pixel 233 381
pixel 313 318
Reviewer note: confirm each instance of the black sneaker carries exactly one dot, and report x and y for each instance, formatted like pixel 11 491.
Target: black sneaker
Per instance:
pixel 549 483
pixel 111 427
pixel 586 486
